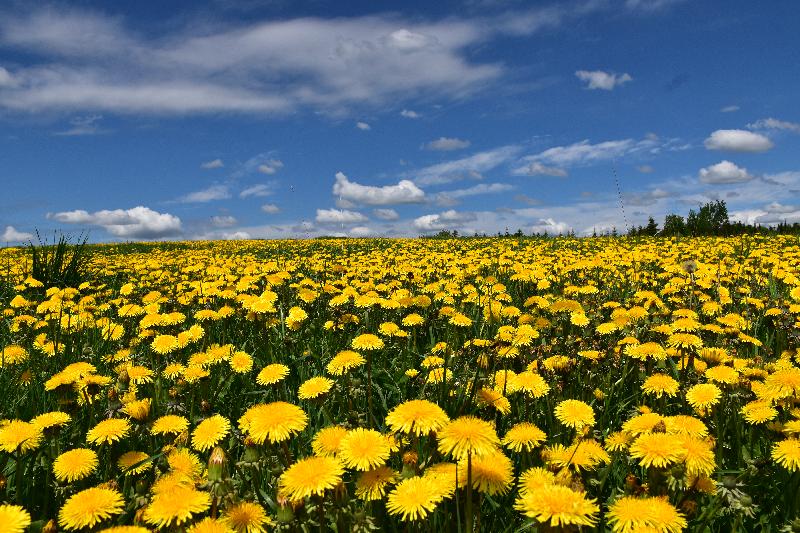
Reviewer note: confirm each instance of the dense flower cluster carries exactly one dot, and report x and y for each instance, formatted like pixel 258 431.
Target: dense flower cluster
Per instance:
pixel 571 384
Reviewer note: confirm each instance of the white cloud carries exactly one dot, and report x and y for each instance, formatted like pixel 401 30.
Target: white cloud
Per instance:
pixel 468 167
pixel 11 234
pixel 235 236
pixel 774 124
pixel 6 80
pixel 730 109
pixel 89 61
pixel 409 113
pixel 216 163
pixel 446 220
pixel 259 190
pixel 223 221
pixel 339 216
pixel 139 222
pixel 584 152
pixel 270 166
pixel 405 192
pixel 386 214
pixel 598 79
pixel 738 141
pixel 444 144
pixel 724 172
pixel 270 209
pixel 449 198
pixel 87 125
pixel 550 226
pixel 215 192
pixel 538 169
pixel 363 126
pixel 650 5
pixel 360 231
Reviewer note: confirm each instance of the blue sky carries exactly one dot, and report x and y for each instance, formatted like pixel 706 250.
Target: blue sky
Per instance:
pixel 278 119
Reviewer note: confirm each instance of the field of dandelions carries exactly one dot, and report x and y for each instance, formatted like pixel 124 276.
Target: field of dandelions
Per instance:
pixel 499 385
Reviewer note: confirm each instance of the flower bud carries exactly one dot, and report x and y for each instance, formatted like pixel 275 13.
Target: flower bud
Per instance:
pixel 216 464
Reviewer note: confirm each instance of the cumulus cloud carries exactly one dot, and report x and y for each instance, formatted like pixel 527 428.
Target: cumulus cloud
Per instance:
pixel 11 234
pixel 738 141
pixel 223 221
pixel 467 167
pixel 405 192
pixel 339 216
pixel 729 109
pixel 215 163
pixel 724 172
pixel 445 144
pixel 215 192
pixel 270 166
pixel 88 125
pixel 258 190
pixel 270 209
pixel 538 169
pixel 598 79
pixel 774 124
pixel 386 214
pixel 550 226
pixel 409 113
pixel 445 220
pixel 138 223
pixel 363 126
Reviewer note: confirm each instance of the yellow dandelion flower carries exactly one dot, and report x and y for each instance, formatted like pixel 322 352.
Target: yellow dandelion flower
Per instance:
pixel 558 506
pixel 344 362
pixel 108 431
pixel 15 518
pixel 176 506
pixel 372 484
pixel 787 454
pixel 247 517
pixel 703 397
pixel 164 344
pixel 90 507
pixel 660 385
pixel 629 513
pixel 210 432
pixel 467 435
pixel 367 341
pixel 272 374
pixel 492 473
pixel 314 388
pixel 75 465
pixel 241 362
pixel 275 422
pixel 523 436
pixel 364 449
pixel 169 424
pixel 328 441
pixel 20 435
pixel 414 498
pixel 132 463
pixel 310 476
pixel 658 450
pixel 575 414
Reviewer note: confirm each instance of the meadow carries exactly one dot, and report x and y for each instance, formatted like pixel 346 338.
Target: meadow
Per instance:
pixel 489 384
